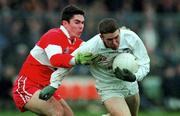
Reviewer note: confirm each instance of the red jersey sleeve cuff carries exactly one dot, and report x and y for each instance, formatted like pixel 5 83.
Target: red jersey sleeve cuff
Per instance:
pixel 61 60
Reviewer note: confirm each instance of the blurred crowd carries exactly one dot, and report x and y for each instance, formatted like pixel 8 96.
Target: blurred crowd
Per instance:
pixel 157 22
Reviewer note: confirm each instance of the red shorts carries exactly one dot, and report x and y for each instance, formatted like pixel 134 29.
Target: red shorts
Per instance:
pixel 24 89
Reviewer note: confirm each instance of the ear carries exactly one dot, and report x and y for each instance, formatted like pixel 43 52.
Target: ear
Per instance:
pixel 64 22
pixel 101 36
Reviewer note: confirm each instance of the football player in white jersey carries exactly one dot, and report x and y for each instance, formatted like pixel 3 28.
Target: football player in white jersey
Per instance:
pixel 117 88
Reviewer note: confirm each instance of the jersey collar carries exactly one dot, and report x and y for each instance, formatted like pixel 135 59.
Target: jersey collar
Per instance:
pixel 65 31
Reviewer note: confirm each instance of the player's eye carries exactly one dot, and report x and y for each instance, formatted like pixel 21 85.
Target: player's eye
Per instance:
pixel 76 22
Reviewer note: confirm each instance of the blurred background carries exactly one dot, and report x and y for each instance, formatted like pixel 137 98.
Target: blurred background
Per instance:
pixel 157 22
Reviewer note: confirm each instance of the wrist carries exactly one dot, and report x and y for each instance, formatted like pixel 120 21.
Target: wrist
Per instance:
pixel 55 85
pixel 77 59
pixel 73 61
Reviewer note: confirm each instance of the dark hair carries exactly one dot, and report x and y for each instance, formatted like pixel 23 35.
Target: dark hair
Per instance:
pixel 69 11
pixel 108 25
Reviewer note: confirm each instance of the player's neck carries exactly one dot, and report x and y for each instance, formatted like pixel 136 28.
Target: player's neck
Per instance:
pixel 72 39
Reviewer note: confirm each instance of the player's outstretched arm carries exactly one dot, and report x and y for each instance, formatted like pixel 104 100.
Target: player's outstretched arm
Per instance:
pixel 58 75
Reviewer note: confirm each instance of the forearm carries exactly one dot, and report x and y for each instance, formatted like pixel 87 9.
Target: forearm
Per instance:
pixel 57 76
pixel 55 81
pixel 142 72
pixel 143 60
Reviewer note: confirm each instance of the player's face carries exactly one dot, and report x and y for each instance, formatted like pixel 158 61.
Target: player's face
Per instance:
pixel 111 40
pixel 75 26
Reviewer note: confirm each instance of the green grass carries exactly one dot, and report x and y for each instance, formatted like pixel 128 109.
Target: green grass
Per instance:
pixel 159 113
pixel 86 113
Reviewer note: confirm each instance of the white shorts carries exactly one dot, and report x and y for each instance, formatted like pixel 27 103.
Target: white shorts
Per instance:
pixel 118 91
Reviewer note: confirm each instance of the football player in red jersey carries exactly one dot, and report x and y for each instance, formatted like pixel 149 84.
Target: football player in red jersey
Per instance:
pixel 53 50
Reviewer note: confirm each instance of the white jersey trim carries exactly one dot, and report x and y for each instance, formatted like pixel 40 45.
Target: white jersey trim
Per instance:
pixel 52 50
pixel 40 55
pixel 65 31
pixel 21 89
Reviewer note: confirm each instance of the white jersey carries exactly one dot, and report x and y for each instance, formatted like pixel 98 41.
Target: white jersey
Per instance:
pixel 102 70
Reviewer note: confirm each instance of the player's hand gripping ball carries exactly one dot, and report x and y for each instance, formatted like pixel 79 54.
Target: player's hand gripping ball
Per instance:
pixel 125 66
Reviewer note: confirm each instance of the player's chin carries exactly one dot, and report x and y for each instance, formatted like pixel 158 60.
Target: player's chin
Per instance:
pixel 114 48
pixel 79 34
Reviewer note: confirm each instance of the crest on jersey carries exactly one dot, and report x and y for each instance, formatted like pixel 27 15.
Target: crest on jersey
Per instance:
pixel 66 50
pixel 127 50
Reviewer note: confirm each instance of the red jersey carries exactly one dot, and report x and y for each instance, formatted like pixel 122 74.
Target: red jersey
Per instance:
pixel 51 51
